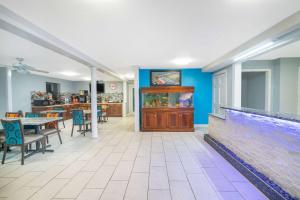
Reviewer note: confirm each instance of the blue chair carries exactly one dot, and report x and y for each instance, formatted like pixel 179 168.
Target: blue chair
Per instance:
pixel 31 127
pixel 102 114
pixel 60 114
pixel 14 136
pixel 99 113
pixel 79 120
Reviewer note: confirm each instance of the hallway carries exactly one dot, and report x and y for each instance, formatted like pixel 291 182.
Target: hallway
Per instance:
pixel 121 164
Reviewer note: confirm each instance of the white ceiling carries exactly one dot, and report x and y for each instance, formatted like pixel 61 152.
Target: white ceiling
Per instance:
pixel 125 33
pixel 39 57
pixel 288 51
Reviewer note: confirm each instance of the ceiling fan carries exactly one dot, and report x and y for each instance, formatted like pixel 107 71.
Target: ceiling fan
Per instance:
pixel 23 68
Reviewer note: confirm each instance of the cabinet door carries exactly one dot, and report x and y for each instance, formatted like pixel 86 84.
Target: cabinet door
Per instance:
pixel 149 120
pixel 172 118
pixel 161 120
pixel 186 120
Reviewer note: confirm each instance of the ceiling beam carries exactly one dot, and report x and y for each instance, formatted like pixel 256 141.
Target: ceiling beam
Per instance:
pixel 18 25
pixel 285 26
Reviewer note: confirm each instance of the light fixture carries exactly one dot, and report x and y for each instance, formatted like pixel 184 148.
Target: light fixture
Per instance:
pixel 182 61
pixel 69 73
pixel 129 76
pixel 86 78
pixel 255 51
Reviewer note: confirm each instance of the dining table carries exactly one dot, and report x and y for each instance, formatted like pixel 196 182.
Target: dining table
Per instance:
pixel 53 111
pixel 36 121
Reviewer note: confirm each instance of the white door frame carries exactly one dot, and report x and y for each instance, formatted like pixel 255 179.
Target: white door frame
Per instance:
pixel 268 85
pixel 214 76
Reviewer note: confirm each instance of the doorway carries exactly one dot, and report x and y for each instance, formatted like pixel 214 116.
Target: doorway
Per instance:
pixel 220 91
pixel 256 90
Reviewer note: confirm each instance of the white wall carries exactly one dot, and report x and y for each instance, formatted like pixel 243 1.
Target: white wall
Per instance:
pixel 24 84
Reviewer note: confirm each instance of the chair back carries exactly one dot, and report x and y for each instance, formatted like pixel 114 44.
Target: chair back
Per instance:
pixel 99 111
pixel 13 115
pixel 59 108
pixel 13 131
pixel 78 117
pixel 32 115
pixel 51 125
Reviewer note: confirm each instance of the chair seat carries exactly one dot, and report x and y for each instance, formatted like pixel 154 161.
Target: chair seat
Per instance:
pixel 32 138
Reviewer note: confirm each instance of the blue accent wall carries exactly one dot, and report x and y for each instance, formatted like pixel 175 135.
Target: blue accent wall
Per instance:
pixel 201 81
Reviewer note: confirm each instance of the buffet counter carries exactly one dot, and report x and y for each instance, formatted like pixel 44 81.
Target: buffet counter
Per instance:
pixel 268 144
pixel 112 109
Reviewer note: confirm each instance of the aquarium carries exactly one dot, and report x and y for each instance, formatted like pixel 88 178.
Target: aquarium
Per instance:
pixel 167 100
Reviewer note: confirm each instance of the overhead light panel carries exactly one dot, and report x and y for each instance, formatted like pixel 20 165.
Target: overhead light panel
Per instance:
pixel 69 73
pixel 86 78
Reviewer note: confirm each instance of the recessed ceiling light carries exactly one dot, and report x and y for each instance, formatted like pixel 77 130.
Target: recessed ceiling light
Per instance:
pixel 69 73
pixel 129 76
pixel 86 78
pixel 182 61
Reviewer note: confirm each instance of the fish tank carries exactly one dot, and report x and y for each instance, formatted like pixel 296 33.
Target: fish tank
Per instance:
pixel 167 100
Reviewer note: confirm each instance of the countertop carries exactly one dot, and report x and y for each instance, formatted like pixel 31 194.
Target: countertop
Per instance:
pixel 70 104
pixel 282 116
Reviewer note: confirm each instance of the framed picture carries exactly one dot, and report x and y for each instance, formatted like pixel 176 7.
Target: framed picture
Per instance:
pixel 165 77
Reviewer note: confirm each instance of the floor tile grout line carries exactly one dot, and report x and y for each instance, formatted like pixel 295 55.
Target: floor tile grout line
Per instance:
pixel 132 168
pixel 185 170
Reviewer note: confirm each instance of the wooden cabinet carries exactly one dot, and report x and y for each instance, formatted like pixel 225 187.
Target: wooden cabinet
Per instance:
pixel 167 108
pixel 114 110
pixel 168 119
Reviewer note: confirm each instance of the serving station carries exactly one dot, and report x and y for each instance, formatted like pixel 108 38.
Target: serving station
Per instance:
pixel 167 108
pixel 262 146
pixel 112 109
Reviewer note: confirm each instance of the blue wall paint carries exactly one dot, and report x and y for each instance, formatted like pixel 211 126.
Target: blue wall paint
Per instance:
pixel 202 82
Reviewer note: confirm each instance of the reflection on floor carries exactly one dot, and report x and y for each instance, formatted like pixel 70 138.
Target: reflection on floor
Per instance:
pixel 121 164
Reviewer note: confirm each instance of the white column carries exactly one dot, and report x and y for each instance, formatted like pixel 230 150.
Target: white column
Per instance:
pixel 136 100
pixel 124 99
pixel 237 85
pixel 94 102
pixel 9 90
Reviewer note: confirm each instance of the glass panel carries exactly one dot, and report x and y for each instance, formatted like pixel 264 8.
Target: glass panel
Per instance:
pixel 167 100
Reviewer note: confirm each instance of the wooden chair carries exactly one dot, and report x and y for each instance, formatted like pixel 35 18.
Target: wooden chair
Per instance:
pixel 14 136
pixel 52 127
pixel 79 120
pixel 60 114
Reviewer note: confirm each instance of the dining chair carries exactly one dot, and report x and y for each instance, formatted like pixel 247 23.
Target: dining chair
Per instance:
pixel 99 113
pixel 14 136
pixel 50 126
pixel 13 114
pixel 32 127
pixel 60 114
pixel 104 109
pixel 79 120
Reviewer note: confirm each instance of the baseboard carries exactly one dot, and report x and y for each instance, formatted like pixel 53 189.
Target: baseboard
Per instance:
pixel 261 182
pixel 200 125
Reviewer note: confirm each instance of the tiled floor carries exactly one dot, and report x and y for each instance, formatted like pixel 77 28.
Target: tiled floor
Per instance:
pixel 121 164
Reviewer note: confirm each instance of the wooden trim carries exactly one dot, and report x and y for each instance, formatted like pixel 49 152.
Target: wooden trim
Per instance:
pixel 168 89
